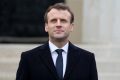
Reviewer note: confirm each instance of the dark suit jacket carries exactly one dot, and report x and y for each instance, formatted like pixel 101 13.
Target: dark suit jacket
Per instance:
pixel 37 64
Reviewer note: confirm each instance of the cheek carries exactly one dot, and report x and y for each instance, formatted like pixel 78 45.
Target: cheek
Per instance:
pixel 49 29
pixel 69 29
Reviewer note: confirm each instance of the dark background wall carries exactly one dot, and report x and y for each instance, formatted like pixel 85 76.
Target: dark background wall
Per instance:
pixel 23 19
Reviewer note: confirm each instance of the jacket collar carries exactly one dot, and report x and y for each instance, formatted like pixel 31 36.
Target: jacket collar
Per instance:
pixel 72 59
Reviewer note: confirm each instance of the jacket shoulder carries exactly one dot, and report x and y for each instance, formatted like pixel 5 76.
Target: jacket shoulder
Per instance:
pixel 36 50
pixel 82 51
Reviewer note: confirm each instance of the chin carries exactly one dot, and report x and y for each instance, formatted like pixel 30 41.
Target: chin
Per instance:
pixel 60 37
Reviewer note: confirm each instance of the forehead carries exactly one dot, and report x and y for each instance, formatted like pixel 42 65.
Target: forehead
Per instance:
pixel 54 13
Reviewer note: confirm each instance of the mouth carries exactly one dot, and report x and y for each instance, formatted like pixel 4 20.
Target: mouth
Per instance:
pixel 58 30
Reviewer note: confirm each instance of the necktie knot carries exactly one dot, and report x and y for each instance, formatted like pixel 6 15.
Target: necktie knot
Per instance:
pixel 59 51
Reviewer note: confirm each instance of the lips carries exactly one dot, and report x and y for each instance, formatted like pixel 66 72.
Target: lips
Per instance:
pixel 59 31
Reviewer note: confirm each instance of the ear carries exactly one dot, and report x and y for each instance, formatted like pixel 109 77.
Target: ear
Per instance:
pixel 46 27
pixel 72 25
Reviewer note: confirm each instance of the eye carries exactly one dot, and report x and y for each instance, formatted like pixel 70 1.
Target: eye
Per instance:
pixel 53 20
pixel 63 20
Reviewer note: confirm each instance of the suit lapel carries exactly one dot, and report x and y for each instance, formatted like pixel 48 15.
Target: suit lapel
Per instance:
pixel 72 60
pixel 47 59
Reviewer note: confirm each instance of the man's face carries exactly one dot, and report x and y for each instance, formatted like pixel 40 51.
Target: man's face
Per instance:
pixel 58 26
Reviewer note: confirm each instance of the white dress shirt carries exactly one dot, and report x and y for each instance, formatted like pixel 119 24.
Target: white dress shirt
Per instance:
pixel 54 54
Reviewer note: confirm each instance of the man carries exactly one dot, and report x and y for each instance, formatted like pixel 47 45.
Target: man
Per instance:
pixel 46 62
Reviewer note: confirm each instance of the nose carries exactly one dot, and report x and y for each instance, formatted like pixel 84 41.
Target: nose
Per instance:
pixel 58 24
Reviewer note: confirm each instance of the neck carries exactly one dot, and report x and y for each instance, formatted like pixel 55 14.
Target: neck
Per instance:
pixel 59 43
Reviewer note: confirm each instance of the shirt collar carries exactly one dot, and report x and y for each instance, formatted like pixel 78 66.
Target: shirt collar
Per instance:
pixel 53 47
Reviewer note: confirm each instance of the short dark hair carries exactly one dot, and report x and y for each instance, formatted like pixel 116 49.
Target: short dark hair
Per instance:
pixel 59 6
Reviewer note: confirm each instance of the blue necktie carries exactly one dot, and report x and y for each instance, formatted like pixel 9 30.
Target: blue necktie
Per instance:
pixel 59 63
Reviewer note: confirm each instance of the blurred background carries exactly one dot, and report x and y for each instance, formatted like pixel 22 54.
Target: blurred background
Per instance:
pixel 22 21
pixel 97 29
